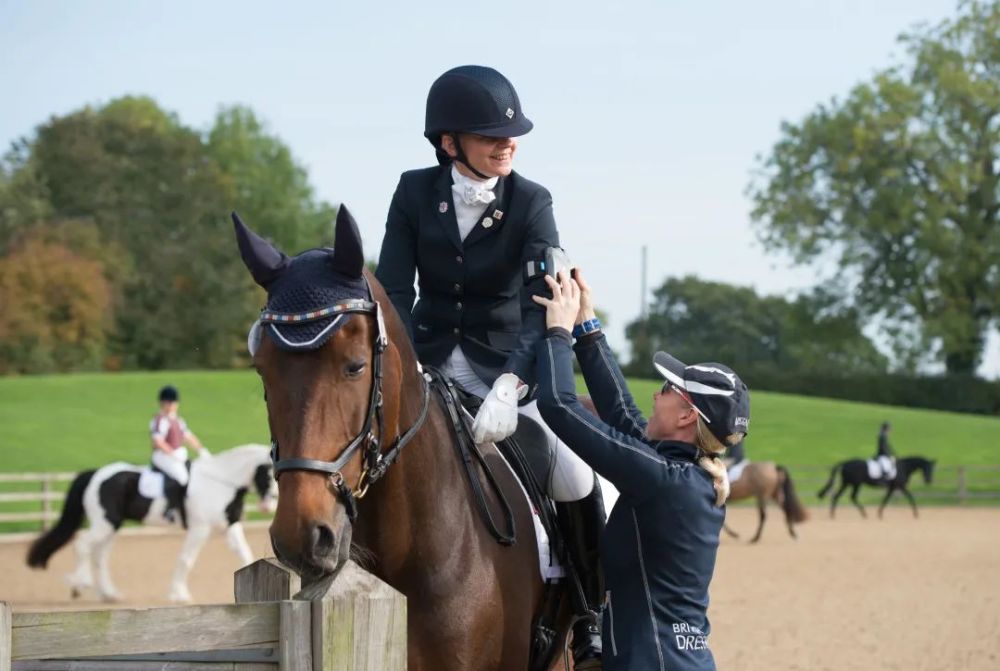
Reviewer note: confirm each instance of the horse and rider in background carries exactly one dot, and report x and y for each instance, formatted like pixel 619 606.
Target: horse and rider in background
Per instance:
pixel 765 481
pixel 884 470
pixel 112 494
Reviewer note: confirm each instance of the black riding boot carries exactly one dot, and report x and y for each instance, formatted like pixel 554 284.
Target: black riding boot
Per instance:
pixel 582 524
pixel 175 494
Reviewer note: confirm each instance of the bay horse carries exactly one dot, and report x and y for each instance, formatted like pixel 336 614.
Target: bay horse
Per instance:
pixel 854 473
pixel 767 481
pixel 112 494
pixel 366 456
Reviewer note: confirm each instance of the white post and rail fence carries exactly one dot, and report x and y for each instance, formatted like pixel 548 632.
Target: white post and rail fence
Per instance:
pixel 354 622
pixel 33 501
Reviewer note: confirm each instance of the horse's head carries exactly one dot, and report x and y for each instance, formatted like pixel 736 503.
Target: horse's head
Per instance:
pixel 928 468
pixel 331 384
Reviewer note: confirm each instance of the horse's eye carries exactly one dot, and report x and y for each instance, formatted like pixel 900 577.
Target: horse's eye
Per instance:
pixel 355 368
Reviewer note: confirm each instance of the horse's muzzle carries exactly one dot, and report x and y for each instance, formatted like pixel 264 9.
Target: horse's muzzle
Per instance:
pixel 322 550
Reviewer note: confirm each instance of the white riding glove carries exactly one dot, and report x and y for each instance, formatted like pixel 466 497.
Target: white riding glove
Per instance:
pixel 497 416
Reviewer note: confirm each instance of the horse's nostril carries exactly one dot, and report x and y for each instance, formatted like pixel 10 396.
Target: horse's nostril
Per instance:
pixel 323 540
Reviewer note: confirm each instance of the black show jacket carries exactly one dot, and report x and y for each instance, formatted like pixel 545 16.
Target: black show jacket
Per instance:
pixel 472 293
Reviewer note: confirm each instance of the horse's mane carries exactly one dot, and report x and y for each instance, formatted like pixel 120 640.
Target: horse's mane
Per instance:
pixel 394 323
pixel 251 452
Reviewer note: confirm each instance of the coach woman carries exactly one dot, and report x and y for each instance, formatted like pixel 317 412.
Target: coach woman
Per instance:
pixel 658 550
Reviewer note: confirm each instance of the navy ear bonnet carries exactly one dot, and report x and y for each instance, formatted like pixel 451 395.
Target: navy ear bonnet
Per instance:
pixel 311 295
pixel 307 286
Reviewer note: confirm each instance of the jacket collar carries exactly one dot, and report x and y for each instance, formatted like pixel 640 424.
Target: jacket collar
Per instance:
pixel 675 449
pixel 495 212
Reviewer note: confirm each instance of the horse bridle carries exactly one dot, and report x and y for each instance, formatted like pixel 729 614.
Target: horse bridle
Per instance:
pixel 375 463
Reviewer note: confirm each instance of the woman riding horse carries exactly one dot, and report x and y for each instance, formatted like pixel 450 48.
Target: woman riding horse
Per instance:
pixel 468 228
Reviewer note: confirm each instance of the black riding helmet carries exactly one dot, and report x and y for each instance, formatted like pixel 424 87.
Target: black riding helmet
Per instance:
pixel 169 394
pixel 472 99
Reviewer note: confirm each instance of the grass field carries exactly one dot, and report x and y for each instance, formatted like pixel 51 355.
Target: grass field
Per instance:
pixel 71 422
pixel 75 422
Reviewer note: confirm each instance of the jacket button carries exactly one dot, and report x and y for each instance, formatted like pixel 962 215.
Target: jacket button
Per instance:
pixel 458 287
pixel 458 305
pixel 455 331
pixel 458 259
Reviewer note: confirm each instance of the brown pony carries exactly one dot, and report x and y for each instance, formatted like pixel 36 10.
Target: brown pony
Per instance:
pixel 353 424
pixel 768 482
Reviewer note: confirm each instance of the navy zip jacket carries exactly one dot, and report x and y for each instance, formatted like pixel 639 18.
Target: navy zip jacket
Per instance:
pixel 658 550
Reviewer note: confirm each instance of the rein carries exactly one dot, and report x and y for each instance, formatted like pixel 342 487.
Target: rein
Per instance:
pixel 375 463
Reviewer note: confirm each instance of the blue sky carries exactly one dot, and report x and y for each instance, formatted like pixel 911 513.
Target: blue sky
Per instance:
pixel 648 115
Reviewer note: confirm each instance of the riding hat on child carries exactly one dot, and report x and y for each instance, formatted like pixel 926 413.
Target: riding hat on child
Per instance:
pixel 169 394
pixel 716 392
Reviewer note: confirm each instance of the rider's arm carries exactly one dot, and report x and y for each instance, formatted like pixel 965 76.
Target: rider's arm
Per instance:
pixel 189 438
pixel 161 444
pixel 192 440
pixel 607 386
pixel 158 434
pixel 540 236
pixel 397 262
pixel 630 464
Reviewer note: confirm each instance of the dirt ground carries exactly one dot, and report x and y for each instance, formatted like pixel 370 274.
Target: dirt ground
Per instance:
pixel 849 594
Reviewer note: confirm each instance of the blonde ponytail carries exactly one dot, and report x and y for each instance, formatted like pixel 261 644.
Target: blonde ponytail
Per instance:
pixel 712 450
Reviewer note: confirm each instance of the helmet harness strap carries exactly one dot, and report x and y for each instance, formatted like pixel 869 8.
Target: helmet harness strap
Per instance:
pixel 462 158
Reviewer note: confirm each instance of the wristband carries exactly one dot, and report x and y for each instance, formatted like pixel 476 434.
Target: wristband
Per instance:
pixel 586 327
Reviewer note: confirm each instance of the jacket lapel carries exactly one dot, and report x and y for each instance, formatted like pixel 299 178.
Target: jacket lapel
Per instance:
pixel 445 207
pixel 493 216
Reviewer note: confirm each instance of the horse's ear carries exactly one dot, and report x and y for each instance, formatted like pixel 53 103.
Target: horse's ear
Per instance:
pixel 348 258
pixel 261 258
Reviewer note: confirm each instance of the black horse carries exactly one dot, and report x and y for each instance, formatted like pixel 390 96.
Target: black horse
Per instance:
pixel 854 473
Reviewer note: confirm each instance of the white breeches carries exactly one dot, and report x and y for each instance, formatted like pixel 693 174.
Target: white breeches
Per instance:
pixel 172 464
pixel 572 479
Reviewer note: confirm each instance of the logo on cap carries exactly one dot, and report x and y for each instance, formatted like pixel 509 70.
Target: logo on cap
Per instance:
pixel 742 421
pixel 510 113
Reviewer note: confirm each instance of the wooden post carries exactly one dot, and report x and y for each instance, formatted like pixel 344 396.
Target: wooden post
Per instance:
pixel 358 622
pixel 268 580
pixel 265 580
pixel 6 635
pixel 295 645
pixel 963 490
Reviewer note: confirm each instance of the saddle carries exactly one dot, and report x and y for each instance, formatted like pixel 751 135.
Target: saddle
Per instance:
pixel 532 463
pixel 170 489
pixel 881 468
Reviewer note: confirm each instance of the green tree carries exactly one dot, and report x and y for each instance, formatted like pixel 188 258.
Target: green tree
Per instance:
pixel 129 186
pixel 55 309
pixel 899 183
pixel 270 189
pixel 697 320
pixel 153 191
pixel 23 196
pixel 820 333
